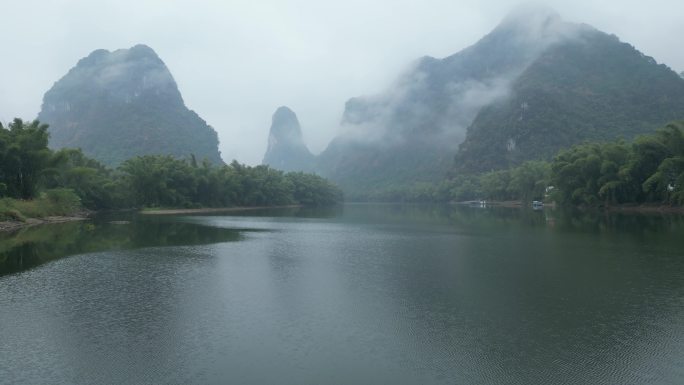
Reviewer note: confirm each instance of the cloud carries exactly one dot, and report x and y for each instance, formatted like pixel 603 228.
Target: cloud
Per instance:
pixel 437 99
pixel 235 62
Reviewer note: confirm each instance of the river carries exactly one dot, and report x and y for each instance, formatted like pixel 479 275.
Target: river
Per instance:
pixel 359 294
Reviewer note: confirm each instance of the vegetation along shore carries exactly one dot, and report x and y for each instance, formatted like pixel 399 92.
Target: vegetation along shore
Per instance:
pixel 37 183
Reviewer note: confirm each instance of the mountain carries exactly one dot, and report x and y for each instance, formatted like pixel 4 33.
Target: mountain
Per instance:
pixel 590 88
pixel 532 86
pixel 410 132
pixel 120 104
pixel 286 149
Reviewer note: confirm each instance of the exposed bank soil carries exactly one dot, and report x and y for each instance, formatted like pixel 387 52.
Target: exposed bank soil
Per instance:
pixel 6 226
pixel 211 210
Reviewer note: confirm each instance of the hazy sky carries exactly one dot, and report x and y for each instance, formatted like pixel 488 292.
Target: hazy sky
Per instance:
pixel 236 61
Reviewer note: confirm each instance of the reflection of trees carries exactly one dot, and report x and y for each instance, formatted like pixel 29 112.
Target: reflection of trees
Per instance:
pixel 616 223
pixel 522 303
pixel 34 246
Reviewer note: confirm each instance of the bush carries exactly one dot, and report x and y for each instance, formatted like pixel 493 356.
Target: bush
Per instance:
pixel 12 215
pixel 61 201
pixel 51 202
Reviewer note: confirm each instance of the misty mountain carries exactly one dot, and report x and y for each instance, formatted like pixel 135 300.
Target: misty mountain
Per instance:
pixel 411 132
pixel 286 149
pixel 532 86
pixel 116 105
pixel 590 88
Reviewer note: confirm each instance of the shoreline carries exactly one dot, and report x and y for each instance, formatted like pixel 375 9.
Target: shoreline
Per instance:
pixel 9 226
pixel 636 209
pixel 646 209
pixel 207 210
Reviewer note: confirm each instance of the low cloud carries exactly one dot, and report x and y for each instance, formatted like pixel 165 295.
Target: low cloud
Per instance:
pixel 236 62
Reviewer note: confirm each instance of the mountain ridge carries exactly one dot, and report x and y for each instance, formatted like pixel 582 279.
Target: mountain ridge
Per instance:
pixel 459 114
pixel 118 104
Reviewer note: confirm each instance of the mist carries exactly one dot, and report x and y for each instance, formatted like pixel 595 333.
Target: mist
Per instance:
pixel 437 99
pixel 236 62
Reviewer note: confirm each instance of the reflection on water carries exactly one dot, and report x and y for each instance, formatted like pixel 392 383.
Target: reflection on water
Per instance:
pixel 367 294
pixel 36 245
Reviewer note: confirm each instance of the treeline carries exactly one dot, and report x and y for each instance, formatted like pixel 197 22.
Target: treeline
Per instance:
pixel 30 170
pixel 648 170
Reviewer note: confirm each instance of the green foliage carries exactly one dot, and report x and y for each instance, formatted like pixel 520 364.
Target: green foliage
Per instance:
pixel 24 156
pixel 494 185
pixel 164 181
pixel 11 214
pixel 526 182
pixel 45 182
pixel 650 170
pixel 313 190
pixel 530 180
pixel 89 179
pixel 48 203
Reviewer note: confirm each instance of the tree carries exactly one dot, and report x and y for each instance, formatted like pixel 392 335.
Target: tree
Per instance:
pixel 24 155
pixel 529 180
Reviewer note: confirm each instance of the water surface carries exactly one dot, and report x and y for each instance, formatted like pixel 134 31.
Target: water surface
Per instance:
pixel 362 294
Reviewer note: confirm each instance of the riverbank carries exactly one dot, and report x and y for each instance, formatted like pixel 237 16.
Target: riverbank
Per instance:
pixel 52 206
pixel 646 209
pixel 510 204
pixel 8 226
pixel 628 208
pixel 209 210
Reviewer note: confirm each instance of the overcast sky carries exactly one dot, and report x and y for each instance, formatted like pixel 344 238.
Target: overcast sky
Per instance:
pixel 236 61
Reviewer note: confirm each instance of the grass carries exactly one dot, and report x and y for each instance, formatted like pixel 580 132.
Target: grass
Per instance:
pixel 50 203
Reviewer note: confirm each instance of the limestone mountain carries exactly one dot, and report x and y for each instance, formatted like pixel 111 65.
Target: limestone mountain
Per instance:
pixel 533 85
pixel 411 132
pixel 286 149
pixel 120 104
pixel 591 88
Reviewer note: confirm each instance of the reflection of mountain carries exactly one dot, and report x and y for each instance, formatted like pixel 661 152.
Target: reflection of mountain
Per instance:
pixel 116 105
pixel 34 246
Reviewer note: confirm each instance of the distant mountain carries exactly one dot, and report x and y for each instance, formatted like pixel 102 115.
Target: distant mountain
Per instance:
pixel 286 149
pixel 411 132
pixel 592 87
pixel 116 105
pixel 533 85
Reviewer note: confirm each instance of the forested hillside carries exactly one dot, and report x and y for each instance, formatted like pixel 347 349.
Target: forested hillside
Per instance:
pixel 648 170
pixel 125 103
pixel 534 85
pixel 592 88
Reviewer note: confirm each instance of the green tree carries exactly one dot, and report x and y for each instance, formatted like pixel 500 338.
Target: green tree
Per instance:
pixel 529 180
pixel 24 156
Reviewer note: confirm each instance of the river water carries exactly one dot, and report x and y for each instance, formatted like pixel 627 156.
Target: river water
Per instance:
pixel 360 294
